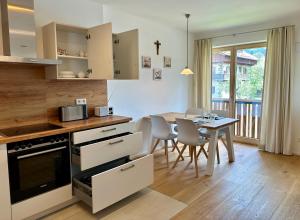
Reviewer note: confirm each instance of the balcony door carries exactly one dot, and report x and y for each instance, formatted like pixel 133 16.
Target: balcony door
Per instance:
pixel 237 86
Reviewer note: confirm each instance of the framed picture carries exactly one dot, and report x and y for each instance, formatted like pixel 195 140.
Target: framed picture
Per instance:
pixel 146 62
pixel 157 74
pixel 167 62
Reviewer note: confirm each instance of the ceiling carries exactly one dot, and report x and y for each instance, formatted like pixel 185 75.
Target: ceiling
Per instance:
pixel 208 15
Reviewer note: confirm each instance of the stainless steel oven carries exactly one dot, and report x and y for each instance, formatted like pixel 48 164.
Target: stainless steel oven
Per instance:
pixel 38 165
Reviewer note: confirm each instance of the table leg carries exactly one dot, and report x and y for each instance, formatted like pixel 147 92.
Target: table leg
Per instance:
pixel 212 153
pixel 229 146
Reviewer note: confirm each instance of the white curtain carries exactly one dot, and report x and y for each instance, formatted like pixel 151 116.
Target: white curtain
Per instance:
pixel 276 125
pixel 202 70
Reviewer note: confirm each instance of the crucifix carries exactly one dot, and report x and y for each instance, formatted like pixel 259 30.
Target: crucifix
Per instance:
pixel 157 44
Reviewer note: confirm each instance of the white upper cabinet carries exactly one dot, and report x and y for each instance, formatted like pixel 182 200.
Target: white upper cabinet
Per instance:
pixel 87 53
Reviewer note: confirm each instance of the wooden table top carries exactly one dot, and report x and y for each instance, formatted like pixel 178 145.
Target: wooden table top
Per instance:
pixel 66 127
pixel 215 124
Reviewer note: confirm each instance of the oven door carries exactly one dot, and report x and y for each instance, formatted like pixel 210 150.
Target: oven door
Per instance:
pixel 37 171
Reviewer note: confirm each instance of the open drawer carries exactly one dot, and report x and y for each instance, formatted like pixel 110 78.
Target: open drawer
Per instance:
pixel 101 188
pixel 94 154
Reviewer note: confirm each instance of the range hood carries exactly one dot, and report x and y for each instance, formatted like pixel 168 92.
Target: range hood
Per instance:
pixel 18 33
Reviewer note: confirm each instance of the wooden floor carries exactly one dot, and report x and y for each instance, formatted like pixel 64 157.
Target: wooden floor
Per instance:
pixel 257 185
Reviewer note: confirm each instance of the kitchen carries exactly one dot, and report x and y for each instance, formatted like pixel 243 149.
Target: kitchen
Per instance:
pixel 56 130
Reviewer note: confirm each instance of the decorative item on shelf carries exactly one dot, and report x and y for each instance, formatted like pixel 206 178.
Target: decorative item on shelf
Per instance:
pixel 88 73
pixel 61 51
pixel 86 54
pixel 81 53
pixel 146 62
pixel 167 62
pixel 157 74
pixel 81 74
pixel 157 45
pixel 67 74
pixel 187 70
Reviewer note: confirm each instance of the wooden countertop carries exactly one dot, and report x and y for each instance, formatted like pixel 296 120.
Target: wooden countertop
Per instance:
pixel 92 122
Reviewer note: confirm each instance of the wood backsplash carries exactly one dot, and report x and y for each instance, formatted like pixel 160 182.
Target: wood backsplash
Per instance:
pixel 26 96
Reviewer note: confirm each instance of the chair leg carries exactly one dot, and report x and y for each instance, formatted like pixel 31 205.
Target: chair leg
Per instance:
pixel 195 160
pixel 166 152
pixel 192 153
pixel 176 147
pixel 155 145
pixel 204 151
pixel 180 155
pixel 199 152
pixel 174 144
pixel 218 154
pixel 223 141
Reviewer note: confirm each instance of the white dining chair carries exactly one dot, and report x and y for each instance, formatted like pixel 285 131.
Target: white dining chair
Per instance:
pixel 188 135
pixel 161 130
pixel 190 111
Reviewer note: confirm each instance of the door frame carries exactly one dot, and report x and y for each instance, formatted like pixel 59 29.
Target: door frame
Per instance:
pixel 232 99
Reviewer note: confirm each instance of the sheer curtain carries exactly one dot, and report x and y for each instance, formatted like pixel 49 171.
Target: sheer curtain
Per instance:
pixel 276 125
pixel 202 76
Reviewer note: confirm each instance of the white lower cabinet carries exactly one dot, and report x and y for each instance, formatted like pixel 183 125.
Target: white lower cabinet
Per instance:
pixel 100 189
pixel 40 203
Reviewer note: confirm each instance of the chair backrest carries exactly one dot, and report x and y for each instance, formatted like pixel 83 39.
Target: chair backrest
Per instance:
pixel 187 132
pixel 221 113
pixel 160 127
pixel 194 111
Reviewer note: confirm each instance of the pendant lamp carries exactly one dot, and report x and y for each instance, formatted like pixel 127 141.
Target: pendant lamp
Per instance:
pixel 186 70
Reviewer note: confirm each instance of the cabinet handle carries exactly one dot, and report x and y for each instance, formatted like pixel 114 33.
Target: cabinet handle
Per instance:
pixel 116 142
pixel 33 60
pixel 127 168
pixel 107 130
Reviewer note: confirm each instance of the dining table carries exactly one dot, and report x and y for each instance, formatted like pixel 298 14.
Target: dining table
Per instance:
pixel 213 124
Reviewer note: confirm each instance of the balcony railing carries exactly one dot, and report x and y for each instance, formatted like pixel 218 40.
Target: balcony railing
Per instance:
pixel 249 114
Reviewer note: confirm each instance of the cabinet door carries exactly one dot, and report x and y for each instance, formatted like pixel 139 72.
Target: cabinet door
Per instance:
pixel 126 55
pixel 100 52
pixel 49 41
pixel 5 206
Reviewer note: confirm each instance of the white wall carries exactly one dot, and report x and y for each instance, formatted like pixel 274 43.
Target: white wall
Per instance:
pixel 137 98
pixel 262 36
pixel 134 98
pixel 74 12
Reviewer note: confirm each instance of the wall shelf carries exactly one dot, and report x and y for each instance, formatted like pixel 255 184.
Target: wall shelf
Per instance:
pixel 72 57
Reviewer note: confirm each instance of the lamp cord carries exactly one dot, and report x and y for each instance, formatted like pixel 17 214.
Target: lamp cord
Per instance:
pixel 187 39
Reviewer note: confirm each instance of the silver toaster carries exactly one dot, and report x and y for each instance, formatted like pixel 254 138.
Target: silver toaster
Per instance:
pixel 72 113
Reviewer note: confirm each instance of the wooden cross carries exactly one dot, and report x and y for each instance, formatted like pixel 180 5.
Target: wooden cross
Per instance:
pixel 157 44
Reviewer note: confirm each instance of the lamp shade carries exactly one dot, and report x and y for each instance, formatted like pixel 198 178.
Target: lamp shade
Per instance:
pixel 186 71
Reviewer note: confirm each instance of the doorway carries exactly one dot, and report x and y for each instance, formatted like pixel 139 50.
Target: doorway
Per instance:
pixel 237 87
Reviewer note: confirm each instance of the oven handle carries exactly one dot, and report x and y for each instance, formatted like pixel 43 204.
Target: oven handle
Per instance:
pixel 42 152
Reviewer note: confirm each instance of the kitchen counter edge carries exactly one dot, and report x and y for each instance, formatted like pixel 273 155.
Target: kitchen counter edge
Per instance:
pixel 67 127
